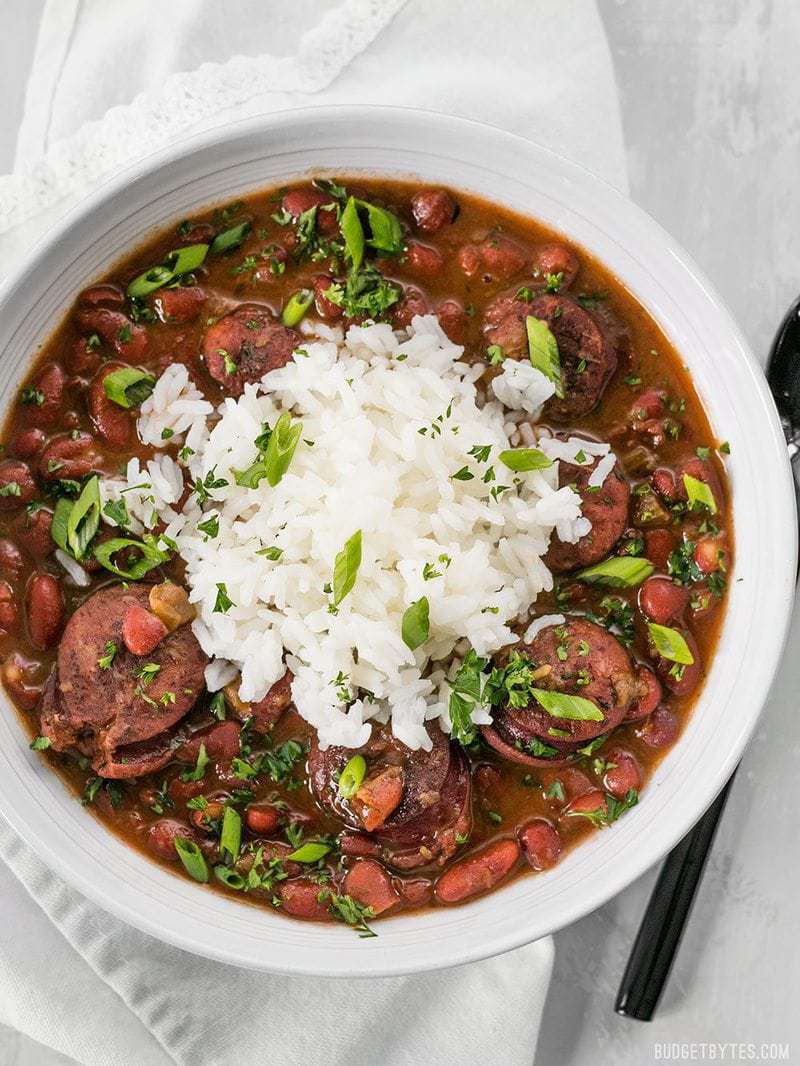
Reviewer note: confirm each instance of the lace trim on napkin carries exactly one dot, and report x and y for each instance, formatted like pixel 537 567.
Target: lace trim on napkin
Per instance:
pixel 153 119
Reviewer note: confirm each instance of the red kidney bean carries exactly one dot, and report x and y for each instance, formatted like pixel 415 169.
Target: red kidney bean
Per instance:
pixel 100 295
pixel 649 405
pixel 142 630
pixel 588 803
pixel 503 258
pixel 296 201
pixel 701 470
pixel 555 259
pixel 16 672
pixel 624 773
pixel 83 357
pixel 432 209
pixel 213 810
pixel 262 819
pixel 487 779
pixel 469 259
pixel 650 692
pixel 197 233
pixel 8 609
pixel 682 680
pixel 162 834
pixel 574 782
pixel 478 872
pixel 300 899
pixel 662 600
pixel 369 884
pixel 358 845
pixel 181 791
pixel 181 304
pixel 34 532
pixel 663 481
pixel 413 303
pixel 114 423
pixel 453 320
pixel 660 729
pixel 11 562
pixel 659 545
pixel 28 443
pixel 541 844
pixel 325 309
pixel 49 384
pixel 221 741
pixel 68 456
pixel 127 338
pixel 709 555
pixel 44 609
pixel 423 260
pixel 17 486
pixel 416 891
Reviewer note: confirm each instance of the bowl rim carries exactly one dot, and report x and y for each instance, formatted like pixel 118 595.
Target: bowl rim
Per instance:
pixel 783 543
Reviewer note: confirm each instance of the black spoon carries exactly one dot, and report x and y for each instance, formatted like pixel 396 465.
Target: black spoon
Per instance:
pixel 668 909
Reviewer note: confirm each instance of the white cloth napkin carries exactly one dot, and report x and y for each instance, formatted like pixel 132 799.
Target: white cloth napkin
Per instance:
pixel 111 82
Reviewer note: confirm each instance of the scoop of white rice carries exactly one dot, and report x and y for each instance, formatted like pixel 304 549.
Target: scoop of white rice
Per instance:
pixel 388 419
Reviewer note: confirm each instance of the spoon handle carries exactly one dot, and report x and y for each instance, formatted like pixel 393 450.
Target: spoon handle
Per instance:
pixel 656 945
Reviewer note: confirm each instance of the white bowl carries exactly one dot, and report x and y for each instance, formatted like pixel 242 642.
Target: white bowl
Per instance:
pixel 245 157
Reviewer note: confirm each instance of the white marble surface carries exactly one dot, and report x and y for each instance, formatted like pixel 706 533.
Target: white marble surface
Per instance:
pixel 711 108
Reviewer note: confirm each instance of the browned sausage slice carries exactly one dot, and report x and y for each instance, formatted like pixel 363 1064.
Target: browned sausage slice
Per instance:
pixel 104 707
pixel 584 660
pixel 607 510
pixel 244 345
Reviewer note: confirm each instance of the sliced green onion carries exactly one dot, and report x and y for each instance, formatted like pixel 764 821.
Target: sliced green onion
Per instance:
pixel 185 260
pixel 192 858
pixel 40 743
pixel 311 852
pixel 351 777
pixel 176 263
pixel 230 238
pixel 151 557
pixel 562 705
pixel 670 644
pixel 543 351
pixel 84 518
pixel 353 233
pixel 296 307
pixel 700 494
pixel 129 386
pixel 386 233
pixel 621 571
pixel 154 278
pixel 345 567
pixel 58 529
pixel 281 447
pixel 231 836
pixel 416 623
pixel 522 459
pixel 229 877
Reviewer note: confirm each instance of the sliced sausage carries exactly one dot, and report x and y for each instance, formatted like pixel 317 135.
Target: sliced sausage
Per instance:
pixel 585 660
pixel 606 509
pixel 133 707
pixel 244 345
